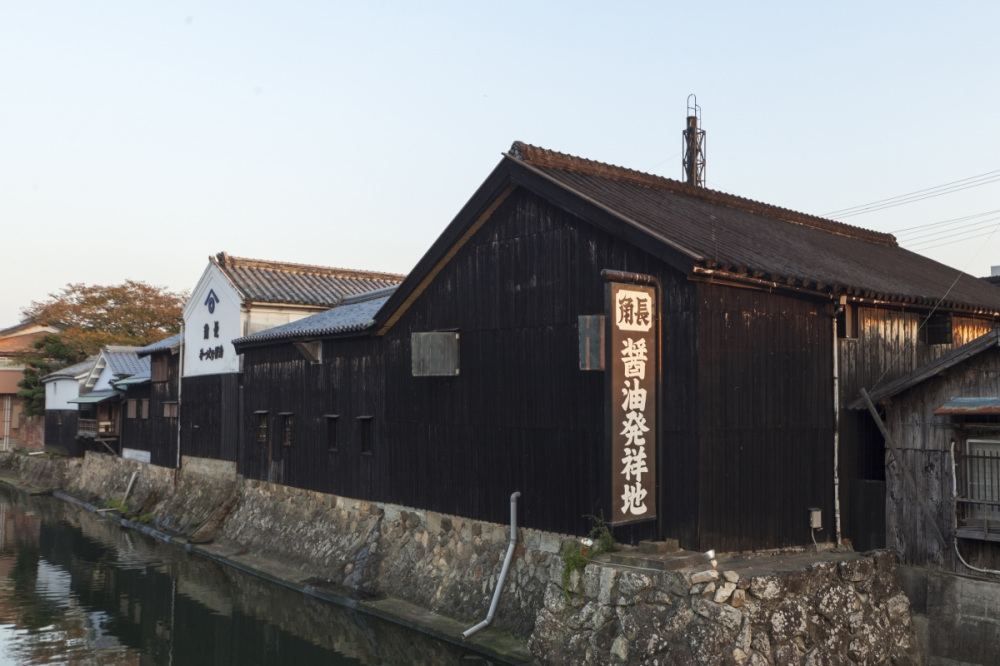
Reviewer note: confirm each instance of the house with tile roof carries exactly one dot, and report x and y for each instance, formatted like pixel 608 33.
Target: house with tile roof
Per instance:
pixel 61 387
pixel 99 418
pixel 236 297
pixel 150 409
pixel 612 343
pixel 14 340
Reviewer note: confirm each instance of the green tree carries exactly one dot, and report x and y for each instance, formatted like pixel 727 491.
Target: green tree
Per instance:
pixel 93 316
pixel 48 354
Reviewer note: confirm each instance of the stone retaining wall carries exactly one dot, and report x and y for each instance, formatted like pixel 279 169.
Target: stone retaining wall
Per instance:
pixel 852 612
pixel 848 613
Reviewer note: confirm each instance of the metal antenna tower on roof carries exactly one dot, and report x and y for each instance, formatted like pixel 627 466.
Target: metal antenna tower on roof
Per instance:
pixel 694 145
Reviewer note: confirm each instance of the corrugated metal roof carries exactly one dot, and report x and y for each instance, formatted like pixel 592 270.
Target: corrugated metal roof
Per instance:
pixel 970 407
pixel 125 361
pixel 278 282
pixel 354 314
pixel 722 233
pixel 165 344
pixel 935 367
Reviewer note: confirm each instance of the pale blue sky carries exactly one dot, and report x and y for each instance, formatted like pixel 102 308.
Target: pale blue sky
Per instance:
pixel 138 138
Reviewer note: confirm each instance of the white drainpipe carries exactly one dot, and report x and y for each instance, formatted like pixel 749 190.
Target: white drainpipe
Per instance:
pixel 503 572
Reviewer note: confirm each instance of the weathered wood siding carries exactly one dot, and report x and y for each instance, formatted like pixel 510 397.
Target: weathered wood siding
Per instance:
pixel 209 415
pixel 925 441
pixel 60 432
pixel 519 416
pixel 278 381
pixel 157 433
pixel 766 418
pixel 887 347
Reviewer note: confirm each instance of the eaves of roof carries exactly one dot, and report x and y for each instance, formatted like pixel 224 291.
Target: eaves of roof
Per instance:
pixel 935 367
pixel 710 236
pixel 170 344
pixel 354 315
pixel 71 371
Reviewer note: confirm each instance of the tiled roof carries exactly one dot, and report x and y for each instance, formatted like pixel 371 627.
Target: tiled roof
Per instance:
pixel 356 313
pixel 165 344
pixel 124 361
pixel 724 235
pixel 71 371
pixel 278 282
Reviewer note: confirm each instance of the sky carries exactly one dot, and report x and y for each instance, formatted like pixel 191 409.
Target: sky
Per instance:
pixel 138 138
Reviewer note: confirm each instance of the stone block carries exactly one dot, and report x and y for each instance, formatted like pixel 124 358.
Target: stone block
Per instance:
pixel 857 570
pixel 723 593
pixel 727 616
pixel 659 547
pixel 731 576
pixel 739 598
pixel 704 576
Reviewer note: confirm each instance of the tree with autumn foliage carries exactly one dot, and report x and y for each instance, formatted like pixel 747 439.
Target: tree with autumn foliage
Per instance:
pixel 91 317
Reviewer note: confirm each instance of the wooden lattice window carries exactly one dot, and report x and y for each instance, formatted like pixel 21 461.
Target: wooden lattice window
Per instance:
pixel 287 428
pixel 261 427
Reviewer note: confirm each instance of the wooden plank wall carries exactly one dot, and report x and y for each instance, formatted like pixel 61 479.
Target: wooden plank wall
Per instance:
pixel 60 432
pixel 925 441
pixel 209 416
pixel 156 434
pixel 887 347
pixel 520 416
pixel 765 390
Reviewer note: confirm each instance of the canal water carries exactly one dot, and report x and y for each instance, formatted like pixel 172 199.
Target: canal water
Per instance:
pixel 76 588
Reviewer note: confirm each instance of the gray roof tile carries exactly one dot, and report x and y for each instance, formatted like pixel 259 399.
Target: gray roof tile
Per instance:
pixel 163 345
pixel 125 361
pixel 278 282
pixel 356 313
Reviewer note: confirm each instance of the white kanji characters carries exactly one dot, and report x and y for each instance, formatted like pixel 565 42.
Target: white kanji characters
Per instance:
pixel 635 426
pixel 632 499
pixel 635 463
pixel 635 397
pixel 634 357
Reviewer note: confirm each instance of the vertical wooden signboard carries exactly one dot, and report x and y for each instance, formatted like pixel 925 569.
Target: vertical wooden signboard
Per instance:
pixel 632 369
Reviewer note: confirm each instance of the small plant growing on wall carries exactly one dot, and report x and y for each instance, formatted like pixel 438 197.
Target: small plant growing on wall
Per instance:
pixel 576 554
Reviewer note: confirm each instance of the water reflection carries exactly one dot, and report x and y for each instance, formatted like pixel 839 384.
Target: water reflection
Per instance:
pixel 77 589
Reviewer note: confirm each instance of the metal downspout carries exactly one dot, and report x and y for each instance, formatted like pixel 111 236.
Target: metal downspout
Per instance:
pixel 503 572
pixel 836 428
pixel 180 382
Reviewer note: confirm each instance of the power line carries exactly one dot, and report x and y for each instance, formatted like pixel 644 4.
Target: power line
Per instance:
pixel 918 195
pixel 971 226
pixel 906 230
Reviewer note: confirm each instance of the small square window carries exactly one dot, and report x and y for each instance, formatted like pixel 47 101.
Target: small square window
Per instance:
pixel 365 426
pixel 936 329
pixel 332 426
pixel 130 409
pixel 261 427
pixel 158 368
pixel 287 427
pixel 170 410
pixel 145 409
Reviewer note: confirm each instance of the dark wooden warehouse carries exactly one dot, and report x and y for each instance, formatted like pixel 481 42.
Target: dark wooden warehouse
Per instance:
pixel 466 383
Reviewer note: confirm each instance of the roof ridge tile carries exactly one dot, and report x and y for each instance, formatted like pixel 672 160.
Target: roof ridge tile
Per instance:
pixel 543 157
